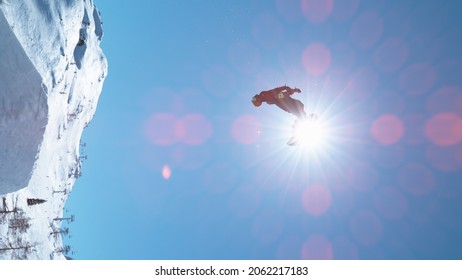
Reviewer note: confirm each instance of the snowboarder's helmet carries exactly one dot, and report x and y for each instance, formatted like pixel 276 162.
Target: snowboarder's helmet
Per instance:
pixel 256 101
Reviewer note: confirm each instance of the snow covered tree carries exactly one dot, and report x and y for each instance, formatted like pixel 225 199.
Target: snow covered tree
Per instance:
pixel 18 248
pixel 63 250
pixel 33 201
pixel 19 223
pixel 2 211
pixel 62 232
pixel 5 209
pixel 65 191
pixel 68 219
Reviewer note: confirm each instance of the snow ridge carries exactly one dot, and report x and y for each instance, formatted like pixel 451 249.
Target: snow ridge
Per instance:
pixel 52 71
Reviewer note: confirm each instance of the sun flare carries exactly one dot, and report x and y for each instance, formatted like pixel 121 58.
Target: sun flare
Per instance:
pixel 311 134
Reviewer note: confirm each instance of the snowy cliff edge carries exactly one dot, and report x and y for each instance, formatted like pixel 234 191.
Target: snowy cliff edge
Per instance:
pixel 52 71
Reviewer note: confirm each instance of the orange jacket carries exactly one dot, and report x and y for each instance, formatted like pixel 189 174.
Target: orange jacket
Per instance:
pixel 273 96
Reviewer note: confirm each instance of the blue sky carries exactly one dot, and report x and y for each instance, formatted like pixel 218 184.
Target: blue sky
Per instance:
pixel 182 166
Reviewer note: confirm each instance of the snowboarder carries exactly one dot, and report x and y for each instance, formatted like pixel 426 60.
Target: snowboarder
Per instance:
pixel 281 97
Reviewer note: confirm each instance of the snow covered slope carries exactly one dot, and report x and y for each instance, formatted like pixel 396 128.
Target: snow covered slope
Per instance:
pixel 51 74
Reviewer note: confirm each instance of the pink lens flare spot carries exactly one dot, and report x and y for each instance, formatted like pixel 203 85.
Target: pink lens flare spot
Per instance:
pixel 166 172
pixel 246 129
pixel 366 228
pixel 367 29
pixel 387 129
pixel 160 129
pixel 193 129
pixel 390 203
pixel 316 199
pixel 416 179
pixel 391 55
pixel 417 79
pixel 317 247
pixel 316 59
pixel 344 9
pixel 317 11
pixel 180 129
pixel 444 129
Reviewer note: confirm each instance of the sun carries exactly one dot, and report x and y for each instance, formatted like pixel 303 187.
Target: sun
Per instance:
pixel 311 134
